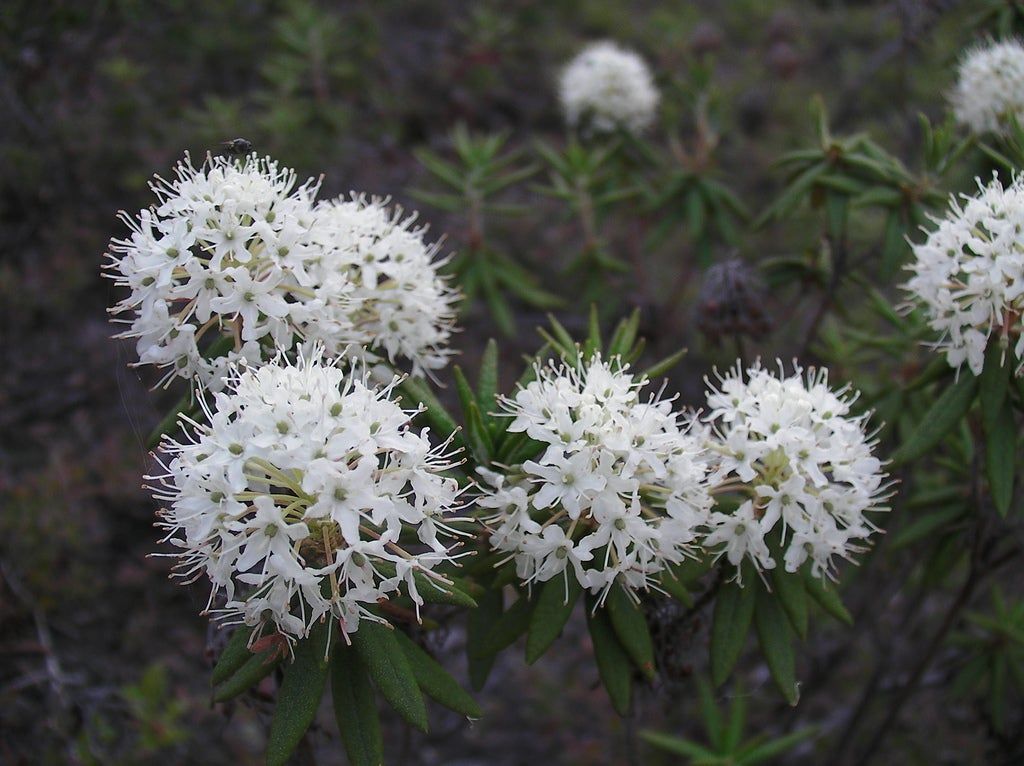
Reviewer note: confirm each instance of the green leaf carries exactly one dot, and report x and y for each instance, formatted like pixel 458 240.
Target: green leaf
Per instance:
pixel 993 383
pixel 613 663
pixel 298 699
pixel 678 746
pixel 255 669
pixel 478 623
pixel 555 603
pixel 435 680
pixel 733 731
pixel 792 594
pixel 434 592
pixel 593 343
pixel 487 383
pixel 477 435
pixel 379 650
pixel 1000 457
pixel 234 656
pixel 944 415
pixel 509 627
pixel 827 597
pixel 435 414
pixel 463 389
pixel 775 637
pixel 711 715
pixel 734 608
pixel 661 367
pixel 355 708
pixel 630 626
pixel 761 753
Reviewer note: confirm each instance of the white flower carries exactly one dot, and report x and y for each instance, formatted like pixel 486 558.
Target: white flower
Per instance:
pixel 234 256
pixel 969 274
pixel 620 490
pixel 990 87
pixel 397 304
pixel 222 254
pixel 791 442
pixel 293 498
pixel 606 88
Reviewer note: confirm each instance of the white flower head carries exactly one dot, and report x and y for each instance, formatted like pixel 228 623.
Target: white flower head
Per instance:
pixel 292 500
pixel 619 491
pixel 807 462
pixel 397 305
pixel 969 274
pixel 234 255
pixel 606 88
pixel 223 253
pixel 990 87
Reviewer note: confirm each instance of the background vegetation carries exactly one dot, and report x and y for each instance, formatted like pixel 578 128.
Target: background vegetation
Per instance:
pixel 100 656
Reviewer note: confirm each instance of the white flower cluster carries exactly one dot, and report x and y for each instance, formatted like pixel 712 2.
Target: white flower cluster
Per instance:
pixel 969 274
pixel 395 300
pixel 606 88
pixel 619 491
pixel 293 498
pixel 233 250
pixel 791 443
pixel 990 88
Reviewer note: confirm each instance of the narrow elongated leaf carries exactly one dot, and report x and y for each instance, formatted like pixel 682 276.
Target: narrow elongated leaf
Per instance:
pixel 659 368
pixel 510 626
pixel 298 699
pixel 613 663
pixel 776 639
pixel 993 383
pixel 678 746
pixel 478 623
pixel 555 603
pixel 941 418
pixel 255 669
pixel 630 627
pixel 434 592
pixel 487 383
pixel 734 608
pixel 1000 457
pixel 759 753
pixel 478 437
pixel 355 708
pixel 789 589
pixel 435 681
pixel 593 342
pixel 463 389
pixel 827 597
pixel 234 656
pixel 435 413
pixel 379 650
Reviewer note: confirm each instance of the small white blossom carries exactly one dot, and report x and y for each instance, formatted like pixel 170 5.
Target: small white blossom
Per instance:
pixel 619 491
pixel 808 464
pixel 232 251
pixel 606 88
pixel 293 498
pixel 990 87
pixel 969 274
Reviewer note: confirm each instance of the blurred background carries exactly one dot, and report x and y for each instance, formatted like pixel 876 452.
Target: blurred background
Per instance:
pixel 102 658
